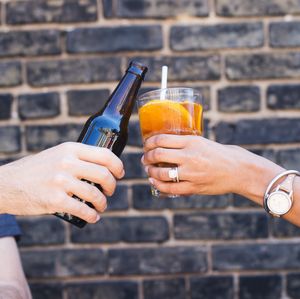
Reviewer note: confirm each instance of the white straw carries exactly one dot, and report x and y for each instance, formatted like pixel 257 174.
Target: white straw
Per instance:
pixel 164 80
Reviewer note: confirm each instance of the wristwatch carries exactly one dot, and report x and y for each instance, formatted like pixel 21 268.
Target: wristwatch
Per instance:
pixel 279 201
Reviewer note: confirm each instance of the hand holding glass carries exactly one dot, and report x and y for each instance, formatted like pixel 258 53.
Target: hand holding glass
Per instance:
pixel 176 111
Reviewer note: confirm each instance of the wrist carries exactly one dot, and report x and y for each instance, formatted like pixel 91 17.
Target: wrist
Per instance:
pixel 255 175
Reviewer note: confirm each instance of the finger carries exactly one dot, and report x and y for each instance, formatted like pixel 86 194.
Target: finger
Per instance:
pixel 161 173
pixel 79 209
pixel 96 174
pixel 181 188
pixel 158 155
pixel 87 192
pixel 165 141
pixel 101 156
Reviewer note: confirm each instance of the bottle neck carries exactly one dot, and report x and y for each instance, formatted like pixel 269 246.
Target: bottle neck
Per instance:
pixel 122 100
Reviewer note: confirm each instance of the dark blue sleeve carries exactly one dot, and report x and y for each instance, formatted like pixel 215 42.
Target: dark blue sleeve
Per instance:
pixel 9 226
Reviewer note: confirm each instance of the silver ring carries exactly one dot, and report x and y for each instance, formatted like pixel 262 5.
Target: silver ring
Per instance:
pixel 173 174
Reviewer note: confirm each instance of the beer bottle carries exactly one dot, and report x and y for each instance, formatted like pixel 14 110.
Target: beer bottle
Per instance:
pixel 109 126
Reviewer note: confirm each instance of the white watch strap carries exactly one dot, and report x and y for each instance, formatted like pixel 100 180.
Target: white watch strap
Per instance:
pixel 287 184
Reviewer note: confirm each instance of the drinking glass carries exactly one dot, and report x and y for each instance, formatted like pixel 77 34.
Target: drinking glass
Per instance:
pixel 176 111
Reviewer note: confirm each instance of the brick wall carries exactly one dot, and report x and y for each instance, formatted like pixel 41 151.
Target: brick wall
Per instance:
pixel 59 60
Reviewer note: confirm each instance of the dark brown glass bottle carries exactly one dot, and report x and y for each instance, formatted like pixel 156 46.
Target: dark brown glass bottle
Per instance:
pixel 109 127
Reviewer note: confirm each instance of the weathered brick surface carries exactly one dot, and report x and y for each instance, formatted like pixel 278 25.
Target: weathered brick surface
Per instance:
pixel 215 287
pixel 293 285
pixel 60 61
pixel 242 202
pixel 256 256
pixel 283 34
pixel 86 102
pixel 143 200
pixel 72 71
pixel 30 43
pixel 63 263
pixel 260 287
pixel 10 139
pixel 239 99
pixel 115 39
pixel 133 166
pixel 41 231
pixel 103 290
pixel 157 260
pixel 283 97
pixel 220 226
pixel 42 137
pixel 244 35
pixel 257 7
pixel 26 12
pixel 134 134
pixel 10 73
pixel 283 229
pixel 154 9
pixel 46 290
pixel 160 289
pixel 260 131
pixel 190 68
pixel 119 201
pixel 40 105
pixel 6 101
pixel 289 158
pixel 123 229
pixel 263 66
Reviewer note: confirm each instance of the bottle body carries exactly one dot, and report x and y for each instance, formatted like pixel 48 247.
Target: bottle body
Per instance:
pixel 109 127
pixel 104 131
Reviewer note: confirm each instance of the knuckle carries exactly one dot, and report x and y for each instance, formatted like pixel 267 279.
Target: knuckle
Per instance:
pixel 95 194
pixel 156 141
pixel 158 154
pixel 67 147
pixel 103 204
pixel 59 179
pixel 106 153
pixel 106 175
pixel 91 216
pixel 66 162
pixel 120 166
pixel 113 188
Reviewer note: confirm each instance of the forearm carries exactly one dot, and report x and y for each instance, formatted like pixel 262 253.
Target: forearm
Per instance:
pixel 12 292
pixel 12 278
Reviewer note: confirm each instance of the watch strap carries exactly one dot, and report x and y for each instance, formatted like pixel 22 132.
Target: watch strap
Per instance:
pixel 287 184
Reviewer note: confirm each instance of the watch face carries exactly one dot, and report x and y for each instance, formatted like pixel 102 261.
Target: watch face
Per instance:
pixel 279 202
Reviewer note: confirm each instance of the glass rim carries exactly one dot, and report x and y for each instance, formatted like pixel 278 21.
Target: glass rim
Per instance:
pixel 142 97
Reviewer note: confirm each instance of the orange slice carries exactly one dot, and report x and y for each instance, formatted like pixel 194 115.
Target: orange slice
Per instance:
pixel 164 116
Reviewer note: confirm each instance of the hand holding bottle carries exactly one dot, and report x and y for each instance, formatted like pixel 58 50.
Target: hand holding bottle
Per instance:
pixel 44 183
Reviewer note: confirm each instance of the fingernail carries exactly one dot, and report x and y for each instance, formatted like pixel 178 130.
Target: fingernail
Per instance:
pixel 146 169
pixel 143 159
pixel 97 218
pixel 151 181
pixel 123 173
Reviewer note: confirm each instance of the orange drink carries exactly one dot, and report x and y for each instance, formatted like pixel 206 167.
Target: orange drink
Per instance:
pixel 176 111
pixel 168 117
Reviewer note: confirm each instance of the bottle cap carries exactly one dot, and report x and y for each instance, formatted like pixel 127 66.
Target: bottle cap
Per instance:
pixel 137 68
